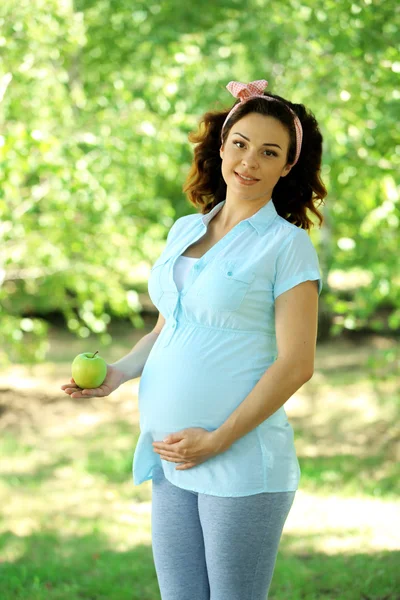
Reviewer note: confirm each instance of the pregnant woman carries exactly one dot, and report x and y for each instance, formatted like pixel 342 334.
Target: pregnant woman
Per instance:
pixel 237 289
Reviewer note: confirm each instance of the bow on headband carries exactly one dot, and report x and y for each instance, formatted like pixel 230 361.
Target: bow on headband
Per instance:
pixel 254 89
pixel 246 91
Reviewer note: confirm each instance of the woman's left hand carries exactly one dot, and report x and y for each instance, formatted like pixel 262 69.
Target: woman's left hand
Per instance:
pixel 190 446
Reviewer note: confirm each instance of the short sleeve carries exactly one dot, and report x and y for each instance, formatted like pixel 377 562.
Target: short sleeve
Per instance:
pixel 296 262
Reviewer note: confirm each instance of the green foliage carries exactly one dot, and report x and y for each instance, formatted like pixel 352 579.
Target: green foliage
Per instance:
pixel 97 101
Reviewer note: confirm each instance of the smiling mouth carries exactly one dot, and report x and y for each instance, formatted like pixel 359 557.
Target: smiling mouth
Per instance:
pixel 248 181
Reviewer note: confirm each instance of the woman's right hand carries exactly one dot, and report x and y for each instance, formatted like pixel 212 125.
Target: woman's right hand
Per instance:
pixel 113 380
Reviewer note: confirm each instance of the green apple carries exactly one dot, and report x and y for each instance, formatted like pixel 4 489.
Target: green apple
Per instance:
pixel 88 370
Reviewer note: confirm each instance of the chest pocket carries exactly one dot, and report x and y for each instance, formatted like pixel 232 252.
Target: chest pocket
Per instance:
pixel 225 285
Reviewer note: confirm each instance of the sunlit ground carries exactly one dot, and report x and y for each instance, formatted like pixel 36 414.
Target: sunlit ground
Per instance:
pixel 66 486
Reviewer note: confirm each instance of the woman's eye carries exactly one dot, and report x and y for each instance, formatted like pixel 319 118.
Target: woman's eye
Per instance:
pixel 269 151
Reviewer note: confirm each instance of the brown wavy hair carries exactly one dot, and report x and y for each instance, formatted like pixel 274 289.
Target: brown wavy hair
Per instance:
pixel 292 195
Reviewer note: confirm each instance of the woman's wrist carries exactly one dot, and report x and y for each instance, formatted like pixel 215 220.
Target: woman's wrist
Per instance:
pixel 220 440
pixel 125 375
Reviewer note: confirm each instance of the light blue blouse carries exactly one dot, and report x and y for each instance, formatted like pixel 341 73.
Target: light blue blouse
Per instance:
pixel 217 342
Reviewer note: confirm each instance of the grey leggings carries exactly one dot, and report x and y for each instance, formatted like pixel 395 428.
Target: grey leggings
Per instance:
pixel 214 548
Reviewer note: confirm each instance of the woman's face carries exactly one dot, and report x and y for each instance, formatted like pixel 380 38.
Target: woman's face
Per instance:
pixel 262 156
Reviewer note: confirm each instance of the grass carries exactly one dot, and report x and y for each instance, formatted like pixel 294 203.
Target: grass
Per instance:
pixel 74 527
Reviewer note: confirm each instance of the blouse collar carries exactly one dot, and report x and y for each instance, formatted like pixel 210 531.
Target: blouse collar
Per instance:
pixel 259 221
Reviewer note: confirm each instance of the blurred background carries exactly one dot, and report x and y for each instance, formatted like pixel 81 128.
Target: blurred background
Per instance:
pixel 96 103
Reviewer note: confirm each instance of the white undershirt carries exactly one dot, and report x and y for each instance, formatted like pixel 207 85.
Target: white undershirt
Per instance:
pixel 182 266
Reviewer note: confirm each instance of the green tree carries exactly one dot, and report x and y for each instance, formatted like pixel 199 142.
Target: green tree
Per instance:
pixel 97 100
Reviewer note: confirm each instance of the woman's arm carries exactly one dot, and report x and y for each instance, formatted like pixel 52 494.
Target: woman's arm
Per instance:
pixel 132 364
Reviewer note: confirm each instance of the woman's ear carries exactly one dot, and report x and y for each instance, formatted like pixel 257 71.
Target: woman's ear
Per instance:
pixel 221 151
pixel 286 170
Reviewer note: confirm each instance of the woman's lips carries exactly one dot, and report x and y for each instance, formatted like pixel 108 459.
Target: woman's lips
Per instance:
pixel 244 181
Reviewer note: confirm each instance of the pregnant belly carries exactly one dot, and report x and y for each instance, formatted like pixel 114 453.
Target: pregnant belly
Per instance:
pixel 181 386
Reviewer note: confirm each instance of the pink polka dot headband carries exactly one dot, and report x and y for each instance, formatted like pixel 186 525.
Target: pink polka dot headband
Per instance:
pixel 254 89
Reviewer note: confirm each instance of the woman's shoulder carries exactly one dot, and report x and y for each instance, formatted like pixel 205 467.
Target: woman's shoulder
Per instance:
pixel 182 225
pixel 285 227
pixel 187 219
pixel 287 232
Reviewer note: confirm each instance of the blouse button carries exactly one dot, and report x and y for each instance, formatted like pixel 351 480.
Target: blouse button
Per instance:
pixel 229 273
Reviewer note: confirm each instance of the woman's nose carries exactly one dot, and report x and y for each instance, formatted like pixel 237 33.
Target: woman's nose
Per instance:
pixel 250 159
